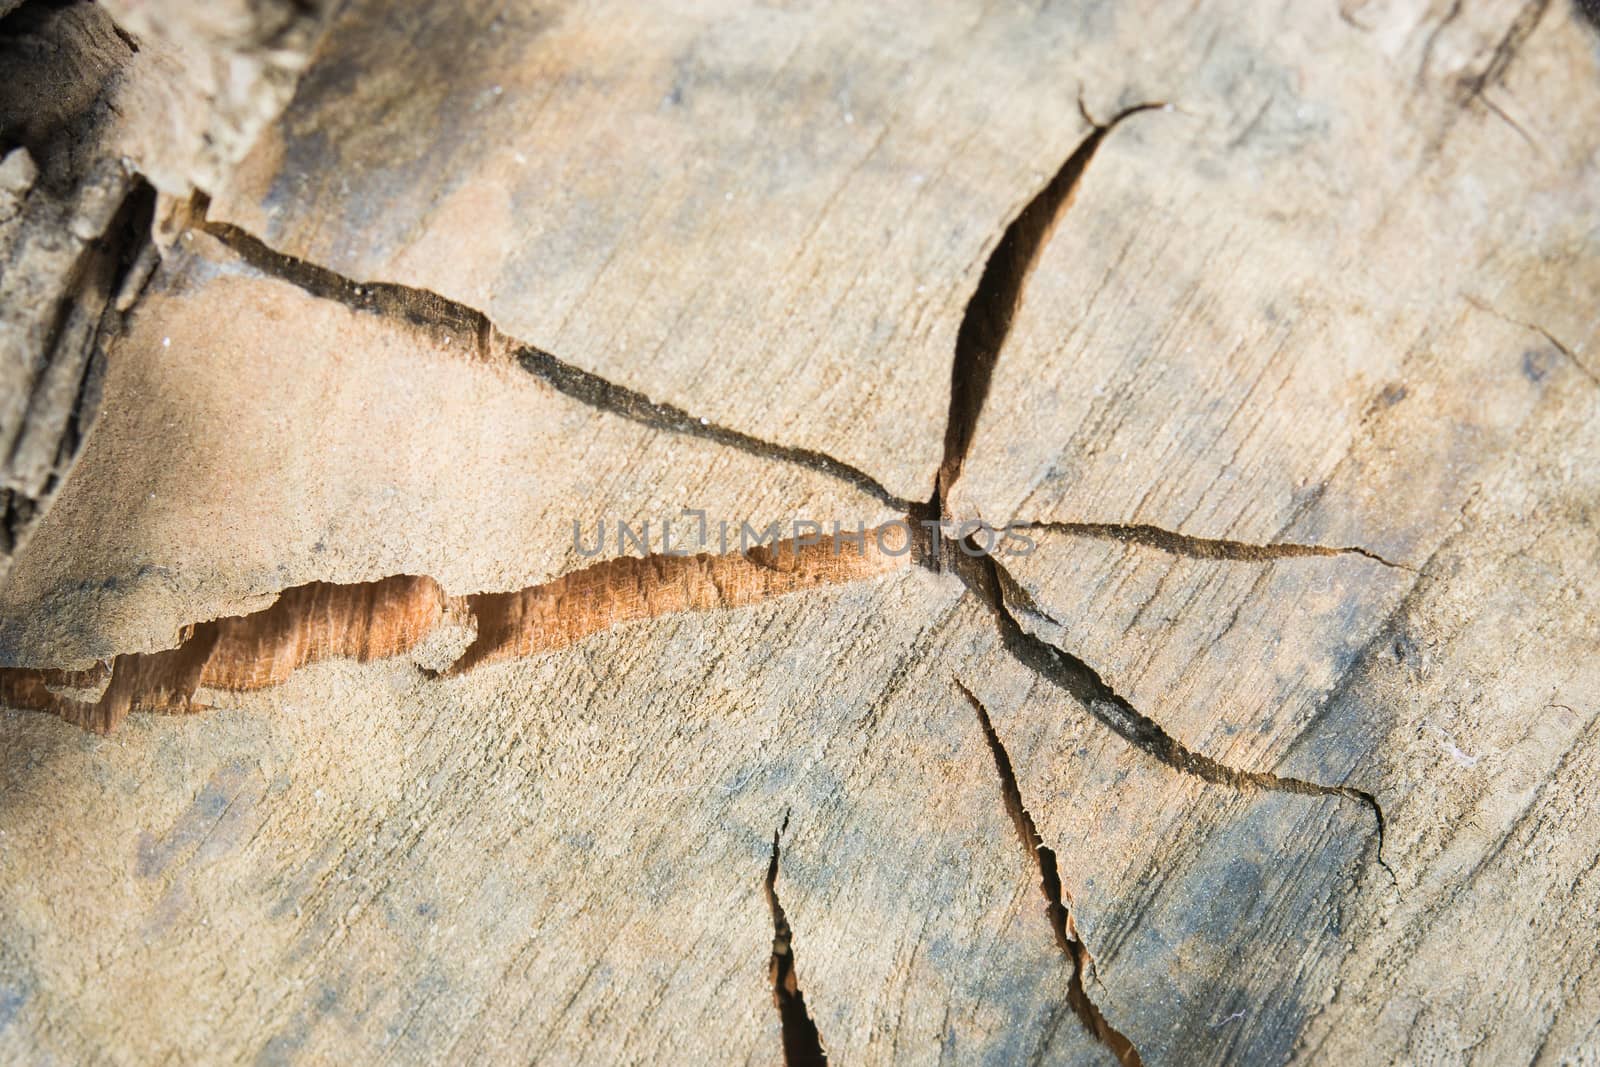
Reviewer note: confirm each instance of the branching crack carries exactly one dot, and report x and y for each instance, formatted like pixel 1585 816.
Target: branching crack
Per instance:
pixel 982 335
pixel 802 1043
pixel 990 582
pixel 1057 900
pixel 423 308
pixel 988 317
pixel 397 615
pixel 1180 544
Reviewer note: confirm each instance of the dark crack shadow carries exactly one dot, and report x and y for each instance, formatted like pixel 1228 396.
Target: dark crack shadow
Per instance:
pixel 986 579
pixel 608 396
pixel 429 310
pixel 994 303
pixel 1056 899
pixel 1217 548
pixel 802 1043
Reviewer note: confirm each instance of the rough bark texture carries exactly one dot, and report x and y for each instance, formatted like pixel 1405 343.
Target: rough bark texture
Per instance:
pixel 1261 346
pixel 91 116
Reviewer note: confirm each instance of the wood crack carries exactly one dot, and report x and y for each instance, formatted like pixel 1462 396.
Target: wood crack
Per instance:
pixel 1505 51
pixel 989 313
pixel 1555 342
pixel 420 307
pixel 802 1042
pixel 993 585
pixel 1181 544
pixel 982 335
pixel 401 614
pixel 412 615
pixel 608 396
pixel 1058 902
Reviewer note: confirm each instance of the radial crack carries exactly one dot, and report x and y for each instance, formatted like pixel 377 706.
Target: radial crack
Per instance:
pixel 428 309
pixel 412 615
pixel 1057 900
pixel 989 581
pixel 802 1043
pixel 988 317
pixel 617 399
pixel 1180 544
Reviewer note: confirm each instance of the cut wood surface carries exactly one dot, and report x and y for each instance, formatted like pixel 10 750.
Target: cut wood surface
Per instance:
pixel 772 217
pixel 267 438
pixel 1261 344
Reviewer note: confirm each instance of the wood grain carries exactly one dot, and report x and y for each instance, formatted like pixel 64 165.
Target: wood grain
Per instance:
pixel 1274 325
pixel 770 217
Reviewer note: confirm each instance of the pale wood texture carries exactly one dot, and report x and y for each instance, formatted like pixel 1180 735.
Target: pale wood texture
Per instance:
pixel 267 438
pixel 1289 371
pixel 771 217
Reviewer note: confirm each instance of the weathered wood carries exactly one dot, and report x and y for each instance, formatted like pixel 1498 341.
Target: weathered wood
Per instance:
pixel 1275 328
pixel 65 255
pixel 267 438
pixel 773 218
pixel 178 90
pixel 88 115
pixel 622 913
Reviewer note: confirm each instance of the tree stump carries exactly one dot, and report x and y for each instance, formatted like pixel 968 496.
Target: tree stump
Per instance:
pixel 889 533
